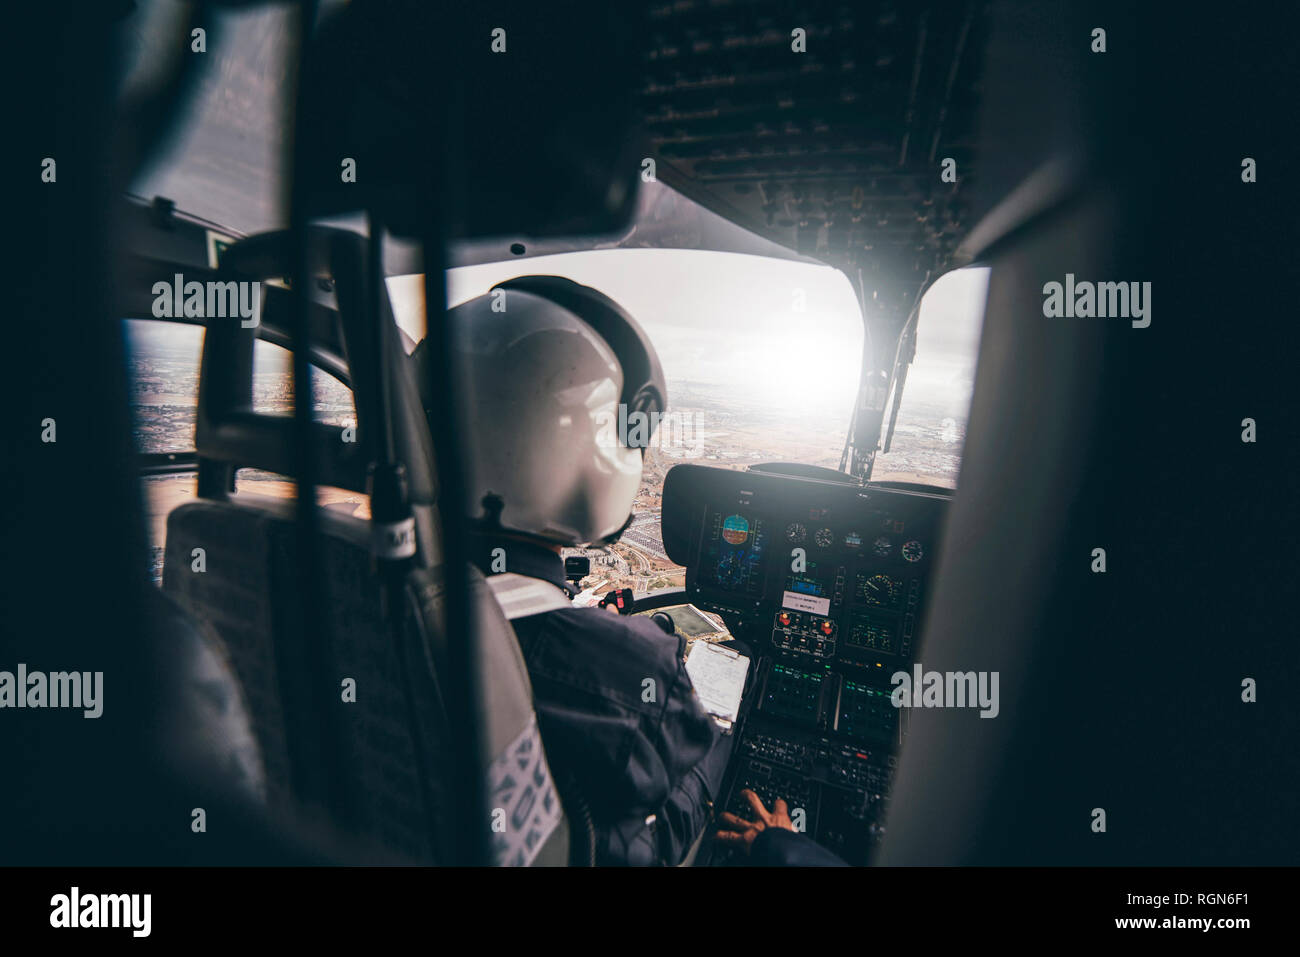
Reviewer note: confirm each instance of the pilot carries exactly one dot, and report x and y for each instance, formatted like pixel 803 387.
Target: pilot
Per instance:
pixel 554 452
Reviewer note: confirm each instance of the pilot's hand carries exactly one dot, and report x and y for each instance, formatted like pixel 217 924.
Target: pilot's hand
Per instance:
pixel 739 832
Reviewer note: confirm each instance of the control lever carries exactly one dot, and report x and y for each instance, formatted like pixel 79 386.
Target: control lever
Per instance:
pixel 620 600
pixel 665 622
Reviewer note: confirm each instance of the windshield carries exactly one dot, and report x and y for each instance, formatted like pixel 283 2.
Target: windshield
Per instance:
pixel 761 357
pixel 931 426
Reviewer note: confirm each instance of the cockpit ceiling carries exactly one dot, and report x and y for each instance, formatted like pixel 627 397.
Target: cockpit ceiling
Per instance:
pixel 836 152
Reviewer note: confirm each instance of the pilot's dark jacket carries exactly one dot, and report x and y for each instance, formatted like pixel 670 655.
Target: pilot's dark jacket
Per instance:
pixel 634 749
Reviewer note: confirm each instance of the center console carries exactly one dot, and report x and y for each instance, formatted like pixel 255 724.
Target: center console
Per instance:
pixel 826 581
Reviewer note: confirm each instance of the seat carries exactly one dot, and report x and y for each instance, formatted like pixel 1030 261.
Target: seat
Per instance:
pixel 354 730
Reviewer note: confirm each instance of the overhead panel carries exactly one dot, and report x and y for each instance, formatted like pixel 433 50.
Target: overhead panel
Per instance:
pixel 825 127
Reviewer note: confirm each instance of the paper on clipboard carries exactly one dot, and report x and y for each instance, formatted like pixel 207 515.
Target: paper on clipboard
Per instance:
pixel 718 675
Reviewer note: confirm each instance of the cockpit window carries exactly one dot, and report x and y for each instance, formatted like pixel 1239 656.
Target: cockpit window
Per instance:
pixel 164 364
pixel 930 429
pixel 164 359
pixel 761 356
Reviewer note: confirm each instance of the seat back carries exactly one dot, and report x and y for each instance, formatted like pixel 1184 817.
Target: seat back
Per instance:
pixel 349 714
pixel 381 737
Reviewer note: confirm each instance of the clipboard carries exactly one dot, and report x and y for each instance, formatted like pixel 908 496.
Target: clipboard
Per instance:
pixel 718 675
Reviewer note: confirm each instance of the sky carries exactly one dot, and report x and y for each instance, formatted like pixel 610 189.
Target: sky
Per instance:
pixel 732 323
pixel 947 340
pixel 775 333
pixel 729 320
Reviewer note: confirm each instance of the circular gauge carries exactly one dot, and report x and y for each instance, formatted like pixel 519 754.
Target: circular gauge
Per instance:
pixel 912 551
pixel 852 540
pixel 882 545
pixel 824 537
pixel 735 530
pixel 795 533
pixel 880 590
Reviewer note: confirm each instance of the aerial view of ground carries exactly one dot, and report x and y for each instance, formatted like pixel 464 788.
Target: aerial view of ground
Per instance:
pixel 707 427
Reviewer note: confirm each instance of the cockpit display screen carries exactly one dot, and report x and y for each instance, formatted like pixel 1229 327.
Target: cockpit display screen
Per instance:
pixel 733 552
pixel 808 582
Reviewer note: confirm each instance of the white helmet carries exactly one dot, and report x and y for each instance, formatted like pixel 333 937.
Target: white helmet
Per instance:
pixel 563 393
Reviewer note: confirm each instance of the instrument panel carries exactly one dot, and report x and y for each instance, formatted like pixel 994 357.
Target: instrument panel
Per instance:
pixel 839 582
pixel 827 583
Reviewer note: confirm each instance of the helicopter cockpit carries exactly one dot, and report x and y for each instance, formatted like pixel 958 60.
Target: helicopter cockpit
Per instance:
pixel 876 500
